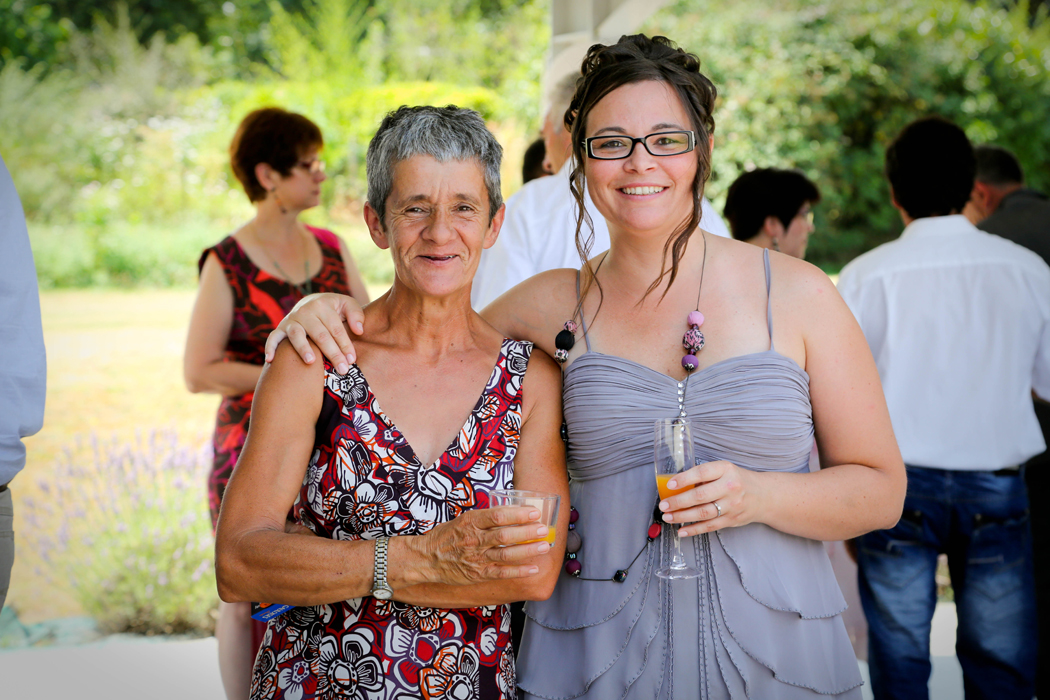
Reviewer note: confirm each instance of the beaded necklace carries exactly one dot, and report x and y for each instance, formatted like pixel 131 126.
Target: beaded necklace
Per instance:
pixel 693 342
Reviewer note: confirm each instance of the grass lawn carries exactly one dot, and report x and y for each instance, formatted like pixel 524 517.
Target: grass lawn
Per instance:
pixel 115 368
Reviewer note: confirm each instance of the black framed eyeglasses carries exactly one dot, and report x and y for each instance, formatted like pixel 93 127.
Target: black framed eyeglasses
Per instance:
pixel 661 143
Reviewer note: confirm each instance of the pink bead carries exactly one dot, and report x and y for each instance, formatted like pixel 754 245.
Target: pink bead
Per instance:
pixel 696 319
pixel 654 531
pixel 574 515
pixel 693 340
pixel 571 327
pixel 690 362
pixel 573 567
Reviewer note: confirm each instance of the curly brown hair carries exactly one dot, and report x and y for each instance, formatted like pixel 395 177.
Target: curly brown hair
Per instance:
pixel 634 59
pixel 273 136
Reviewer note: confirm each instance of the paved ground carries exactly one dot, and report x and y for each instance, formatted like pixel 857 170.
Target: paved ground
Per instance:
pixel 130 668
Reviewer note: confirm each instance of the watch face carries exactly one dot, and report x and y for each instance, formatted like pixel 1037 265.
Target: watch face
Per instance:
pixel 382 593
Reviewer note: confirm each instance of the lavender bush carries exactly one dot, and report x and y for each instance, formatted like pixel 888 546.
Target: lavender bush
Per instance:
pixel 126 527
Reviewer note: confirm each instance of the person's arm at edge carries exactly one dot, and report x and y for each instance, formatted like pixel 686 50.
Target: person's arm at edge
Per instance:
pixel 23 382
pixel 538 466
pixel 204 367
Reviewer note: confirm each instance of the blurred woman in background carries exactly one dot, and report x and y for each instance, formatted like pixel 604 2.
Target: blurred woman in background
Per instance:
pixel 248 282
pixel 773 208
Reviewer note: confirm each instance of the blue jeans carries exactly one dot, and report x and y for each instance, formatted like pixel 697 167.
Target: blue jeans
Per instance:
pixel 980 520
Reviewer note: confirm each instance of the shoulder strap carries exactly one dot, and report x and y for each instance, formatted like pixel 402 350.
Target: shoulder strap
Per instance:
pixel 769 304
pixel 583 321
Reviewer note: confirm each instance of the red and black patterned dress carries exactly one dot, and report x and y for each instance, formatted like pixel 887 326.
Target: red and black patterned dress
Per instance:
pixel 260 301
pixel 364 481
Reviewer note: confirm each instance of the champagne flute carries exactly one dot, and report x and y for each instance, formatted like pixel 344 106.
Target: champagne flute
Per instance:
pixel 674 453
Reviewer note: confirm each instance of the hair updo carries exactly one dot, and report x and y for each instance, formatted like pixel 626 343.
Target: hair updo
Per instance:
pixel 634 59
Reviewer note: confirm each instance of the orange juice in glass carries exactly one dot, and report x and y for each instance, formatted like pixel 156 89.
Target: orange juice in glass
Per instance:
pixel 546 503
pixel 673 452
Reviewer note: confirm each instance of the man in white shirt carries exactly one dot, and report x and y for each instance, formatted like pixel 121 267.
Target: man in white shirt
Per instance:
pixel 23 373
pixel 539 230
pixel 958 321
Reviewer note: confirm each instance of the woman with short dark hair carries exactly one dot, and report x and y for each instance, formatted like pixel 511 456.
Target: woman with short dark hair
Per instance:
pixel 772 208
pixel 248 281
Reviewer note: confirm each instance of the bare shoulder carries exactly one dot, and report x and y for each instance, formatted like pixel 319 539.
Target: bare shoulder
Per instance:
pixel 534 309
pixel 799 283
pixel 288 372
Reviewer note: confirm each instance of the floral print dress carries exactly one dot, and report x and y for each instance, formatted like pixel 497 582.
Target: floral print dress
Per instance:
pixel 364 481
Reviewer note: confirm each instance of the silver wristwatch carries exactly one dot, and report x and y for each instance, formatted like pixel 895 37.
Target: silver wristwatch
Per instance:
pixel 380 588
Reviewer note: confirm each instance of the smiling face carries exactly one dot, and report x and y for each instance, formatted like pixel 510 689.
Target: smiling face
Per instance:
pixel 437 223
pixel 641 193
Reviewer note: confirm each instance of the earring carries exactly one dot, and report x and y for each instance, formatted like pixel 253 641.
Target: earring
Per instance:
pixel 776 244
pixel 273 191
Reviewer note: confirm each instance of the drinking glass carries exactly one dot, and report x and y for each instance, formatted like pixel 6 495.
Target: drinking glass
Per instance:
pixel 546 503
pixel 674 453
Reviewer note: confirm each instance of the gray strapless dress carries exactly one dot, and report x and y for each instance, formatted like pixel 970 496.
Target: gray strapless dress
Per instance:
pixel 764 619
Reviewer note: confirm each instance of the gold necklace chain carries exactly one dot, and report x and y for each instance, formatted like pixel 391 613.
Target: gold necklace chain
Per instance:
pixel 305 287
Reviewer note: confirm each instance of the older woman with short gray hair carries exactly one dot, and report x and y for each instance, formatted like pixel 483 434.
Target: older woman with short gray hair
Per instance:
pixel 401 591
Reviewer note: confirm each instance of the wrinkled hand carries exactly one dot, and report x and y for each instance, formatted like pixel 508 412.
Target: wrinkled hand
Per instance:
pixel 320 317
pixel 721 482
pixel 484 545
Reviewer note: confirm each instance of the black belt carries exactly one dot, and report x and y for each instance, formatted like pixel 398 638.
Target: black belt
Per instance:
pixel 3 487
pixel 1008 471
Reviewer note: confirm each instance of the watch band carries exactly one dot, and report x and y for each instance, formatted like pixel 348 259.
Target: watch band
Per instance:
pixel 380 588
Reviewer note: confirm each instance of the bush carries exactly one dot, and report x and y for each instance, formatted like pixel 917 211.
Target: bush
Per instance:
pixel 126 527
pixel 825 87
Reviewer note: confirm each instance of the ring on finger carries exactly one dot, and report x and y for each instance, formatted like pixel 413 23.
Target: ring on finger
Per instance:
pixel 718 508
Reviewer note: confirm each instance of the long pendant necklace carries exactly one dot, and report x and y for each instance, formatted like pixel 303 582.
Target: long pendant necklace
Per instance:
pixel 693 342
pixel 306 287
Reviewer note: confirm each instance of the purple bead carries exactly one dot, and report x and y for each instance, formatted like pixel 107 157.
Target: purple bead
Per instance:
pixel 574 515
pixel 573 542
pixel 690 362
pixel 573 568
pixel 693 341
pixel 696 319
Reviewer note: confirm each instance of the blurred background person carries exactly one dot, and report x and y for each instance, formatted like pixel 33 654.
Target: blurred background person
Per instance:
pixel 958 321
pixel 533 163
pixel 23 367
pixel 248 281
pixel 408 554
pixel 1001 204
pixel 539 233
pixel 772 208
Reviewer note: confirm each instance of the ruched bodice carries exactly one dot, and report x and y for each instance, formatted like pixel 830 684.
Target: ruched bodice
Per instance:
pixel 763 620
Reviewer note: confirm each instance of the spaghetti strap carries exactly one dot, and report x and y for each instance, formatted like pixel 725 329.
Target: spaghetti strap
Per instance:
pixel 769 304
pixel 583 322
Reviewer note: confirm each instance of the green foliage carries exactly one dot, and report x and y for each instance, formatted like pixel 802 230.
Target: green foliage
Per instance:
pixel 136 546
pixel 825 87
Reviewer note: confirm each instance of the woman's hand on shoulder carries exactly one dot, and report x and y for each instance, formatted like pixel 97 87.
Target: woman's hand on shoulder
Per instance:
pixel 320 318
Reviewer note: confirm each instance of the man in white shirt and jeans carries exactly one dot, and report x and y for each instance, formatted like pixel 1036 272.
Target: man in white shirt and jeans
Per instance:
pixel 958 321
pixel 539 230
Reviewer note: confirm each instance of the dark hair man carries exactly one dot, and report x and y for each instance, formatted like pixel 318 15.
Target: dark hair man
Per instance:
pixel 1001 204
pixel 772 208
pixel 958 321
